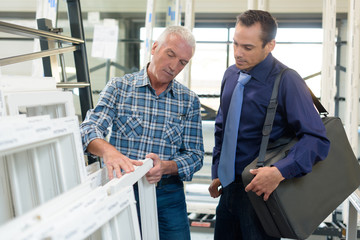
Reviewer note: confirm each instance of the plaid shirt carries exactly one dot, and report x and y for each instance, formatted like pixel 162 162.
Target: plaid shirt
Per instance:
pixel 142 122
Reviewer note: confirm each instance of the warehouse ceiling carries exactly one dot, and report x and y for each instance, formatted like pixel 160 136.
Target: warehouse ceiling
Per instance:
pixel 201 6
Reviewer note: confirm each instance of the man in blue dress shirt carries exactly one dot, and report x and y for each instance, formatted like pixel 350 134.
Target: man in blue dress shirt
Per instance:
pixel 253 41
pixel 151 115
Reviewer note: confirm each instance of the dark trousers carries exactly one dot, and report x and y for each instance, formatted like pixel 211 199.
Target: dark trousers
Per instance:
pixel 236 218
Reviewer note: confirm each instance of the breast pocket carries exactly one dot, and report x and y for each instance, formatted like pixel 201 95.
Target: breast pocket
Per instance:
pixel 129 124
pixel 173 131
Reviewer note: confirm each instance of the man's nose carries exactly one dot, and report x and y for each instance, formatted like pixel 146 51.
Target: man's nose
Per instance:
pixel 238 52
pixel 172 65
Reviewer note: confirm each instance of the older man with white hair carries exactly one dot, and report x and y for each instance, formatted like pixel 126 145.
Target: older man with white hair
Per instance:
pixel 151 115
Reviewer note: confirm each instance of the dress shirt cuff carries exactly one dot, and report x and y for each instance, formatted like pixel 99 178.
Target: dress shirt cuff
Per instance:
pixel 214 171
pixel 215 162
pixel 287 168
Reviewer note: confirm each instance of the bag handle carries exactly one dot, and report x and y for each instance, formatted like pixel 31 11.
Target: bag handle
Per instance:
pixel 270 116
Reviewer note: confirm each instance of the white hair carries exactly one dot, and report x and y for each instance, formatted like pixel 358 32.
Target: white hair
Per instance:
pixel 181 31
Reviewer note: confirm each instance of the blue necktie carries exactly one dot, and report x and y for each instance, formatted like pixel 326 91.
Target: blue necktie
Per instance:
pixel 226 169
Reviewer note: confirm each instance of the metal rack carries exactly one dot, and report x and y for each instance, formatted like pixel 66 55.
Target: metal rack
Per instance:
pixel 77 46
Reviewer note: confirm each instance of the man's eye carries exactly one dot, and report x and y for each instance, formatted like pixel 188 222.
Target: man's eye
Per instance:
pixel 171 54
pixel 183 63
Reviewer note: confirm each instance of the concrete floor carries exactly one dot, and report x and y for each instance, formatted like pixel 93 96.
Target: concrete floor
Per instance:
pixel 198 233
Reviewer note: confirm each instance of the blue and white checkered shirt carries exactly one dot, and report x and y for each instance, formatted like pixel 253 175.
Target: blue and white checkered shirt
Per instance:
pixel 142 122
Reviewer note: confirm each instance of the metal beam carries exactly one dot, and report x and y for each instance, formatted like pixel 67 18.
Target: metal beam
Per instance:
pixel 35 55
pixel 328 81
pixel 80 57
pixel 352 75
pixel 35 33
pixel 72 85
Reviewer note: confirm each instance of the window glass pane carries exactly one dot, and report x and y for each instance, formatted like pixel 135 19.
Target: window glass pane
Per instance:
pixel 295 34
pixel 299 35
pixel 156 33
pixel 210 34
pixel 296 56
pixel 208 67
pixel 299 49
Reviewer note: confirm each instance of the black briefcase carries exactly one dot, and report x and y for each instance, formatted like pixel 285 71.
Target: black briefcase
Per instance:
pixel 298 205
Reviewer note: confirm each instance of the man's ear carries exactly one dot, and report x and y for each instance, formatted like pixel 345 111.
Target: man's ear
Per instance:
pixel 154 46
pixel 270 45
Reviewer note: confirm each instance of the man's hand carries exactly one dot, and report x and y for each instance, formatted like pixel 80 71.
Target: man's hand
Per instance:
pixel 114 160
pixel 214 188
pixel 155 173
pixel 266 180
pixel 160 168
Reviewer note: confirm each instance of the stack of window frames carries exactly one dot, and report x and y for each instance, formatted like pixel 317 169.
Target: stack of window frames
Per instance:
pixel 46 158
pixel 43 180
pixel 91 211
pixel 40 158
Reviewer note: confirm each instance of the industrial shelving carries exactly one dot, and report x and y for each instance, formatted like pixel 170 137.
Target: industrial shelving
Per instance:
pixel 76 44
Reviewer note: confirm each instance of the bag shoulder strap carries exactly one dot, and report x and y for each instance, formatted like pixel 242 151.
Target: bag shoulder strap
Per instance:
pixel 270 116
pixel 318 105
pixel 269 120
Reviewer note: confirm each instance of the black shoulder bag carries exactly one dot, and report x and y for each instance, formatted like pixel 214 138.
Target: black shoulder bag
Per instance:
pixel 298 205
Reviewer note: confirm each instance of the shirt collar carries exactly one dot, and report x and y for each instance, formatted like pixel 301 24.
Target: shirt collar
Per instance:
pixel 263 69
pixel 144 80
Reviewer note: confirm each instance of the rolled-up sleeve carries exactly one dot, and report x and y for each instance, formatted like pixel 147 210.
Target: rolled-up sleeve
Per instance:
pixel 98 120
pixel 190 157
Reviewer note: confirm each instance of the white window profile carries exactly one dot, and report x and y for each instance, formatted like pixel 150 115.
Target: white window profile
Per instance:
pixel 56 104
pixel 40 159
pixel 90 210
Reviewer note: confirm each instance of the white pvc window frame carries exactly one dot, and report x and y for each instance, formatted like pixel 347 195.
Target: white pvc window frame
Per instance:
pixel 40 159
pixel 107 211
pixel 56 104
